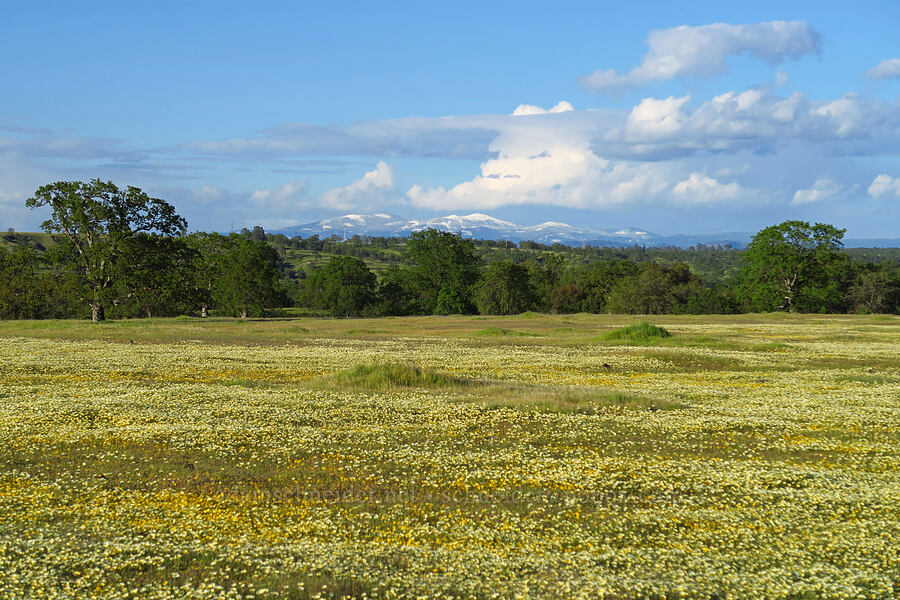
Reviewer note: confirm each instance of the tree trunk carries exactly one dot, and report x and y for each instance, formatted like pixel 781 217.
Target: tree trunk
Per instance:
pixel 204 311
pixel 97 313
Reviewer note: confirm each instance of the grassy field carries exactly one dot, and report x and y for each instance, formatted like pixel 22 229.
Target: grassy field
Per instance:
pixel 547 456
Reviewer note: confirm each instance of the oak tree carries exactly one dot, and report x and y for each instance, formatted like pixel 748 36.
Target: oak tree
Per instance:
pixel 97 220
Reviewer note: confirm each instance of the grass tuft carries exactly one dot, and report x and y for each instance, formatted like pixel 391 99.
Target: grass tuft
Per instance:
pixel 391 376
pixel 530 314
pixel 639 332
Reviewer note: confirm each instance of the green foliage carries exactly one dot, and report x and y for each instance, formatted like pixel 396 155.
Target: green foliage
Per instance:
pixel 588 288
pixel 443 269
pixel 103 258
pixel 544 273
pixel 395 295
pixel 639 332
pixel 156 277
pixel 344 287
pixel 794 266
pixel 655 290
pixel 29 291
pixel 876 289
pixel 97 220
pixel 505 289
pixel 246 276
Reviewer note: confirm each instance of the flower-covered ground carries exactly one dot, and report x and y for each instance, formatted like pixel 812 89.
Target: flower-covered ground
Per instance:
pixel 753 457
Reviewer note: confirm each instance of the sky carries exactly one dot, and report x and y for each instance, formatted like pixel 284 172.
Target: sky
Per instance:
pixel 674 117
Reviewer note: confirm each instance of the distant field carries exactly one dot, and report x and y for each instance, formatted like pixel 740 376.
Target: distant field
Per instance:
pixel 309 260
pixel 750 456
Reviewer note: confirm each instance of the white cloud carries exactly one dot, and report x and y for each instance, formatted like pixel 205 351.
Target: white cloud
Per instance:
pixel 885 185
pixel 289 196
pixel 372 189
pixel 823 189
pixel 703 51
pixel 698 189
pixel 530 109
pixel 653 119
pixel 886 69
pixel 846 115
pixel 754 120
pixel 542 162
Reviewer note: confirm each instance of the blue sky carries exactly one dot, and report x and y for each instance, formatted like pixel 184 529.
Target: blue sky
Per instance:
pixel 688 117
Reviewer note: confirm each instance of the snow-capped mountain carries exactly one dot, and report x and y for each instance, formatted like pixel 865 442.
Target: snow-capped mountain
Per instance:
pixel 481 226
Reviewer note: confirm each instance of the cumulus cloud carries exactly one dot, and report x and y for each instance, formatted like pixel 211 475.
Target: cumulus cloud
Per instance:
pixel 754 120
pixel 703 52
pixel 289 196
pixel 886 69
pixel 885 185
pixel 530 109
pixel 550 161
pixel 823 189
pixel 698 189
pixel 372 189
pixel 654 119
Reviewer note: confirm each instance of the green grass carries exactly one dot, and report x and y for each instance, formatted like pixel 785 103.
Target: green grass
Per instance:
pixel 639 332
pixel 492 394
pixel 391 376
pixel 501 331
pixel 743 332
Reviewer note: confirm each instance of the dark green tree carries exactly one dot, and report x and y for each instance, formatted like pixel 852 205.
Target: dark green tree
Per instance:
pixel 795 266
pixel 593 285
pixel 344 286
pixel 27 289
pixel 394 296
pixel 208 266
pixel 544 274
pixel 443 269
pixel 258 234
pixel 505 289
pixel 246 277
pixel 876 288
pixel 96 220
pixel 566 298
pixel 158 277
pixel 650 292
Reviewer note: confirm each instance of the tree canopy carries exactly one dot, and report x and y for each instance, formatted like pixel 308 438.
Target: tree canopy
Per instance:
pixel 794 266
pixel 345 287
pixel 97 219
pixel 443 269
pixel 505 289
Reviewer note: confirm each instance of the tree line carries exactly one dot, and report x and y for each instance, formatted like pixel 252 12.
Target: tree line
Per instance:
pixel 119 253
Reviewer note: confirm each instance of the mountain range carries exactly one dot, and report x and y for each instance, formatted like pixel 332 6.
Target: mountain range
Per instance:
pixel 486 227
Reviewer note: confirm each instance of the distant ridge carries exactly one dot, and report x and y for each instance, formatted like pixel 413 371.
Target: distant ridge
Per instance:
pixel 485 227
